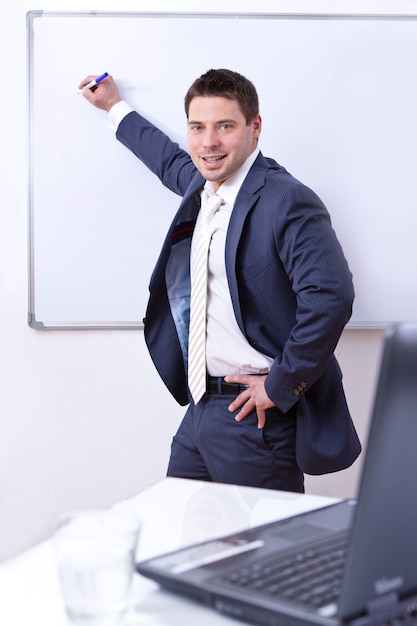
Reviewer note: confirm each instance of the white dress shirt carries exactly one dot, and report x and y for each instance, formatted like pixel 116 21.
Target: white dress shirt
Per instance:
pixel 227 349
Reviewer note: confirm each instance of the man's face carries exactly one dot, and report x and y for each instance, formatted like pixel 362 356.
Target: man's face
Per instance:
pixel 219 140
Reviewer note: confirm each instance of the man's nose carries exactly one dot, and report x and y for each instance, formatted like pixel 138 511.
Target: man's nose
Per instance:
pixel 210 138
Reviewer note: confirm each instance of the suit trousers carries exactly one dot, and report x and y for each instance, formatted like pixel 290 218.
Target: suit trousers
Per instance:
pixel 210 445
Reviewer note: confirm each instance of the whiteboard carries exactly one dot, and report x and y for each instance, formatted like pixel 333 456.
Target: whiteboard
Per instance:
pixel 338 97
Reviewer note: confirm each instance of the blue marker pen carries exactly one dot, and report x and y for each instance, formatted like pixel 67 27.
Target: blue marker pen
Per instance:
pixel 94 82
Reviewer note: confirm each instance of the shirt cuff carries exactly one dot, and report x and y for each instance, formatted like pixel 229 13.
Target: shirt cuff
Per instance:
pixel 117 113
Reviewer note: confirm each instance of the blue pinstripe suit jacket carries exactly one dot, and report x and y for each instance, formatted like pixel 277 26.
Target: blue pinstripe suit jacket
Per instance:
pixel 290 285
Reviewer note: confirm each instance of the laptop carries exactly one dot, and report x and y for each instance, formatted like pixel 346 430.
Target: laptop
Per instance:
pixel 353 562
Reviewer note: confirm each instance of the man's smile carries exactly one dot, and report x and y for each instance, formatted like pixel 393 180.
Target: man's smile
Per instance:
pixel 213 159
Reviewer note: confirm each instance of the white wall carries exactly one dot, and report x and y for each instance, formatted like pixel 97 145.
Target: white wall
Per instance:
pixel 84 419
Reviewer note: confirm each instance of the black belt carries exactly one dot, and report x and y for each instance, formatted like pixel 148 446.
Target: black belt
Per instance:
pixel 217 385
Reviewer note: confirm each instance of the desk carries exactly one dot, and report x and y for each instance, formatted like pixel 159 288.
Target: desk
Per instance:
pixel 174 512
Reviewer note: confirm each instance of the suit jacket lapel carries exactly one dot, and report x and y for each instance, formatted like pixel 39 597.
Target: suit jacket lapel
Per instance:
pixel 246 199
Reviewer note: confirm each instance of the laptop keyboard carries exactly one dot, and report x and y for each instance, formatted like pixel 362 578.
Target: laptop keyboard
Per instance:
pixel 311 576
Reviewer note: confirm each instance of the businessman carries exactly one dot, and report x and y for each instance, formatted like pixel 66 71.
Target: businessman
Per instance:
pixel 273 292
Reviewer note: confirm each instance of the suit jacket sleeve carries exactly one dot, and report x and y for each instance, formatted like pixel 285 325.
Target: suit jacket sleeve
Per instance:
pixel 322 284
pixel 165 158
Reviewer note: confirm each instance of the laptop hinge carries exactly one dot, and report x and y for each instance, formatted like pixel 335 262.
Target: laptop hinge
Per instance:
pixel 382 604
pixel 378 610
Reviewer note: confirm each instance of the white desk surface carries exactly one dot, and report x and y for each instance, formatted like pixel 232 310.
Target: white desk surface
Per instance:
pixel 174 512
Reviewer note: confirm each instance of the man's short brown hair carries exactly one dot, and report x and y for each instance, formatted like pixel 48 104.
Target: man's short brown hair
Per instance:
pixel 226 84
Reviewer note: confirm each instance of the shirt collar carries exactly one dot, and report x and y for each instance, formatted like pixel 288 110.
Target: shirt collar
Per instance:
pixel 231 186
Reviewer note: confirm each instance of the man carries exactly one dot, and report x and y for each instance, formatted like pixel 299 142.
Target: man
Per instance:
pixel 279 293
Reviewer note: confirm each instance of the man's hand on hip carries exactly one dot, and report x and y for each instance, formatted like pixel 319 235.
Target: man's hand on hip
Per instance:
pixel 254 397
